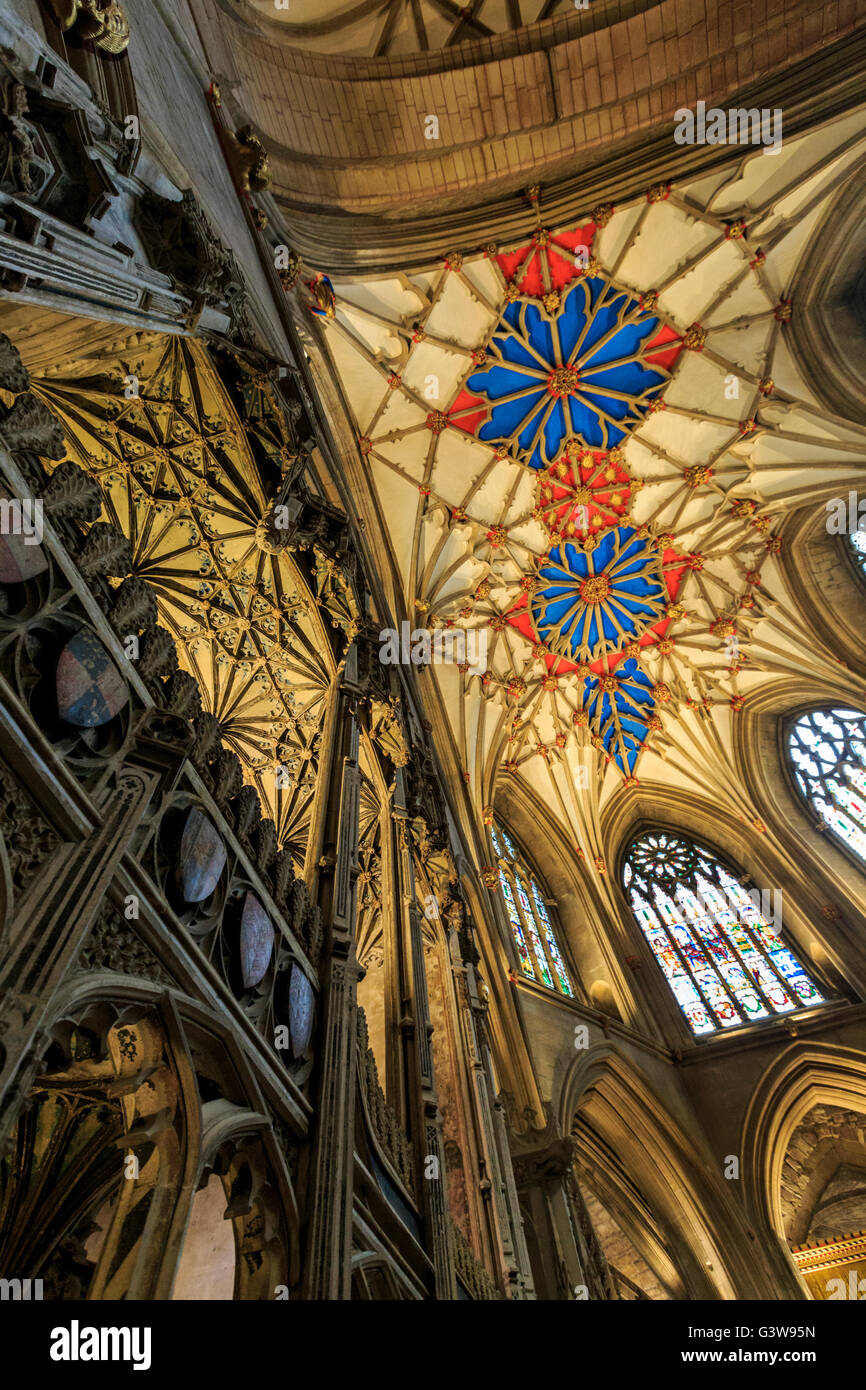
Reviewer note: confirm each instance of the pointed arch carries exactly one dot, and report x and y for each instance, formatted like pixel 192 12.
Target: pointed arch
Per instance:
pixel 699 1240
pixel 806 1074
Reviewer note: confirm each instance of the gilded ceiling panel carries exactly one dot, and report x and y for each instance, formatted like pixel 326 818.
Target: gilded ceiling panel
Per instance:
pixel 157 428
pixel 583 447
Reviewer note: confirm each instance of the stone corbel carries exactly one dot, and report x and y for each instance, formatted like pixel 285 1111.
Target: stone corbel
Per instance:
pixel 248 160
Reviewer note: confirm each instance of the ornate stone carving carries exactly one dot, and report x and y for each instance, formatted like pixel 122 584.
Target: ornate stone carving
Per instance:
pixel 471 1273
pixel 207 736
pixel 198 469
pixel 247 811
pixel 113 945
pixel 383 1117
pixel 29 838
pixel 183 696
pixel 31 426
pixel 14 376
pixel 551 1163
pixel 133 607
pixel 290 272
pixel 158 655
pixel 284 875
pixel 227 777
pixel 72 494
pixel 24 164
pixel 373 958
pixel 105 551
pixel 181 242
pixel 264 841
pixel 102 22
pixel 288 1143
pixel 248 160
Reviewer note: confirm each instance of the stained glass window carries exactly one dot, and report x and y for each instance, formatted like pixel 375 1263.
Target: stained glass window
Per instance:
pixel 827 748
pixel 537 947
pixel 858 548
pixel 718 943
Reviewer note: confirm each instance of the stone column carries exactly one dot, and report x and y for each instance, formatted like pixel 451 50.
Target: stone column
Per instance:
pixel 327 1274
pixel 568 1259
pixel 502 1208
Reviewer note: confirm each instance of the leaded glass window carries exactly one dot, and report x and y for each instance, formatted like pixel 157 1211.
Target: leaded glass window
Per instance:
pixel 858 549
pixel 716 940
pixel 827 748
pixel 537 947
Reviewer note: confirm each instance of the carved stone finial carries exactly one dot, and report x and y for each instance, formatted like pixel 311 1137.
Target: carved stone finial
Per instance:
pixel 31 426
pixel 182 242
pixel 133 608
pixel 248 811
pixel 105 550
pixel 227 777
pixel 71 494
pixel 14 376
pixel 183 695
pixel 284 876
pixel 265 845
pixel 158 654
pixel 207 737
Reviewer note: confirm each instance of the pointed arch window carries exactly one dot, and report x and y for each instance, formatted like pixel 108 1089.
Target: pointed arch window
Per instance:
pixel 857 545
pixel 827 748
pixel 531 927
pixel 715 940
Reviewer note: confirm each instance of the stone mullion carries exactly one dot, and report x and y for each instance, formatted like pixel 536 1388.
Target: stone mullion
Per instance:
pixel 329 1241
pixel 425 1128
pixel 502 1215
pixel 566 1239
pixel 318 819
pixel 524 1285
pixel 397 982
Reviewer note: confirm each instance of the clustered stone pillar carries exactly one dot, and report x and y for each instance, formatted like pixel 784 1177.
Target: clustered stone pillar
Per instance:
pixel 505 1228
pixel 569 1261
pixel 329 1244
pixel 425 1127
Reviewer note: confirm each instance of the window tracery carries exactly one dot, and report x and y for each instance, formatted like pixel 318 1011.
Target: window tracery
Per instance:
pixel 719 950
pixel 531 926
pixel 827 749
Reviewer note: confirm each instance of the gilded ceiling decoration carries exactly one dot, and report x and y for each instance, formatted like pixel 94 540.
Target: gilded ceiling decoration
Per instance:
pixel 157 429
pixel 584 445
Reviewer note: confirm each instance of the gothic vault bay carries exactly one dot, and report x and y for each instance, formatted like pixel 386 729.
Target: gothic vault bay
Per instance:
pixel 432 686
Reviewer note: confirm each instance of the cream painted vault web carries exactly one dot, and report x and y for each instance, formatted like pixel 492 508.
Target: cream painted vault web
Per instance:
pixel 585 445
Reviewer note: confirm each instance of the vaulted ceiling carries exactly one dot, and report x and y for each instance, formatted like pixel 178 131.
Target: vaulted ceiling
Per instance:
pixel 150 418
pixel 385 28
pixel 582 446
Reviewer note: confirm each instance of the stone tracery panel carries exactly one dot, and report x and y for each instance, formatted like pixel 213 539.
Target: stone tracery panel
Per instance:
pixel 157 430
